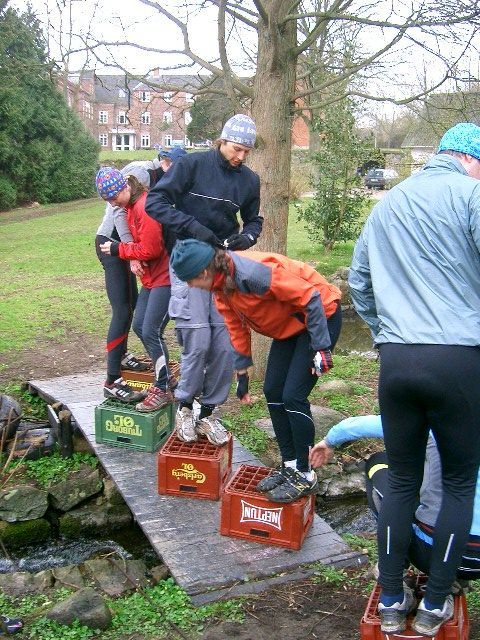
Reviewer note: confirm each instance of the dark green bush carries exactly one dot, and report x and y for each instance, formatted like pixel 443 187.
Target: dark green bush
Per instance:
pixel 8 193
pixel 46 154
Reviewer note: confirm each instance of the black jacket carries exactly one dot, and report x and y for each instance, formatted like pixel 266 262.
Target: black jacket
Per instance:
pixel 200 196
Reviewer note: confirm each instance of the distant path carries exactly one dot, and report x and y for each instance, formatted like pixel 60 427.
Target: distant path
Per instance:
pixel 40 211
pixel 185 532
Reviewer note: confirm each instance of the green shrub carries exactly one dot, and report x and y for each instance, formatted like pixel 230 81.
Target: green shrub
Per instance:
pixel 8 193
pixel 46 154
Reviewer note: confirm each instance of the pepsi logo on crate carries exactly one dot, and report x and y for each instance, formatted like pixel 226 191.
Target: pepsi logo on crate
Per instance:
pixel 194 469
pixel 246 513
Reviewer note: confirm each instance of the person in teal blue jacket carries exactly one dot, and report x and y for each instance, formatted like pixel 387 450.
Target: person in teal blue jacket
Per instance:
pixel 414 279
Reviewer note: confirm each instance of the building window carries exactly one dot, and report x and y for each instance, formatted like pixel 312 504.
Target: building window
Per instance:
pixel 146 117
pixel 167 117
pixel 122 117
pixel 167 140
pixel 145 141
pixel 189 97
pixel 102 117
pixel 167 96
pixel 87 110
pixel 188 118
pixel 144 96
pixel 103 139
pixel 122 93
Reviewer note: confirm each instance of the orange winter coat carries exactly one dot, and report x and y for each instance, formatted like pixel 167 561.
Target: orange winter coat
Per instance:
pixel 277 297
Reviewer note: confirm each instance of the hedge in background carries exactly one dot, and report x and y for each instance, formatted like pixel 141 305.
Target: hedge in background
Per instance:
pixel 46 155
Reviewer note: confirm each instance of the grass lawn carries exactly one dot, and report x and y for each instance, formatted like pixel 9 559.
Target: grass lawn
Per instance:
pixel 53 282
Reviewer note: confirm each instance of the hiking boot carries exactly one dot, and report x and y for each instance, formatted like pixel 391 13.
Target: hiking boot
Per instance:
pixel 295 486
pixel 428 622
pixel 185 425
pixel 134 364
pixel 393 619
pixel 275 479
pixel 213 429
pixel 156 399
pixel 120 390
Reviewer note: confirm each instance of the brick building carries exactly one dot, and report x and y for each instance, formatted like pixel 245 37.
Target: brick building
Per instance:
pixel 127 114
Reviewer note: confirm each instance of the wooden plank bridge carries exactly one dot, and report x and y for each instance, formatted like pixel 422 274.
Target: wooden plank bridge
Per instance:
pixel 184 531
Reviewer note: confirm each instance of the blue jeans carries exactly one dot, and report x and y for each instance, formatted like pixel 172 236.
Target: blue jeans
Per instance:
pixel 149 322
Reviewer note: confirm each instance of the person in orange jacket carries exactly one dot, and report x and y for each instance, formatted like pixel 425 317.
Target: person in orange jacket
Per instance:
pixel 288 301
pixel 151 311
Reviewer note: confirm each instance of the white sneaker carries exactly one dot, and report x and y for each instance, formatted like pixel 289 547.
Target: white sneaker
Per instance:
pixel 213 429
pixel 185 425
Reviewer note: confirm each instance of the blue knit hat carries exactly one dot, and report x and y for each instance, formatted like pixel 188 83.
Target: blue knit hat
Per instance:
pixel 110 182
pixel 190 257
pixel 173 154
pixel 240 129
pixel 463 137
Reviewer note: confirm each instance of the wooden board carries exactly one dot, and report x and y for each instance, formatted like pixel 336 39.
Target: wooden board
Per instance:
pixel 183 531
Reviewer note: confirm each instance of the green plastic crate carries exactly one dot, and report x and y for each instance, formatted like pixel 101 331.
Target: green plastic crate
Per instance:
pixel 119 424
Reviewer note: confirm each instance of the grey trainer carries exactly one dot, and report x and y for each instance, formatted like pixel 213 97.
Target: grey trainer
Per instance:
pixel 428 622
pixel 394 619
pixel 185 425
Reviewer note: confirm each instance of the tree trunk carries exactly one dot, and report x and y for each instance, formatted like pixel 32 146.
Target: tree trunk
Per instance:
pixel 272 112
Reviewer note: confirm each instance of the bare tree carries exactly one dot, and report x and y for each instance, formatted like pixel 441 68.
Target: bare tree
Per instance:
pixel 263 51
pixel 277 38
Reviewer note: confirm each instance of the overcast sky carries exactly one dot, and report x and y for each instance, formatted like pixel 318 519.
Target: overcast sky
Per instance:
pixel 121 20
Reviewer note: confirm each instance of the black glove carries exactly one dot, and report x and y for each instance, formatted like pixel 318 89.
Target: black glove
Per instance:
pixel 205 235
pixel 239 242
pixel 115 249
pixel 242 385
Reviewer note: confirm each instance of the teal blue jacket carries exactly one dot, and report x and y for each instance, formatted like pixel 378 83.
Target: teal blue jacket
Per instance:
pixel 415 273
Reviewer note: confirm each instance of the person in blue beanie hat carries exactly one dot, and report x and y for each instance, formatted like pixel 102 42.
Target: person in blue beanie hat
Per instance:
pixel 201 197
pixel 414 279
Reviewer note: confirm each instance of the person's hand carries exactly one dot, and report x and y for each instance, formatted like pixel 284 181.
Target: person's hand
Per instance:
pixel 238 242
pixel 320 454
pixel 242 388
pixel 322 362
pixel 136 267
pixel 205 235
pixel 105 247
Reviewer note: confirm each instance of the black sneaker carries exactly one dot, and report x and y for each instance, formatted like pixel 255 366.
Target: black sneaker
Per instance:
pixel 275 479
pixel 120 390
pixel 295 486
pixel 133 364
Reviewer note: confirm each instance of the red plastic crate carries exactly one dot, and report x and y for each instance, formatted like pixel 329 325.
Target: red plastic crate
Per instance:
pixel 247 513
pixel 455 629
pixel 194 469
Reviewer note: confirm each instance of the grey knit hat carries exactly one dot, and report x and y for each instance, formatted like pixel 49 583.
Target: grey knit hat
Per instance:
pixel 190 257
pixel 241 129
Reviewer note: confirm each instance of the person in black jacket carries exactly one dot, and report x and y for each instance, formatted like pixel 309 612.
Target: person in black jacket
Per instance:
pixel 200 198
